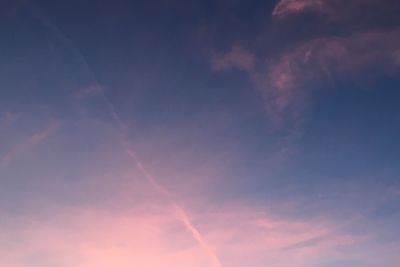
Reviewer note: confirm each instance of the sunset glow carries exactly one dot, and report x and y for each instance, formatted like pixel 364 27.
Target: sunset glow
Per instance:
pixel 208 133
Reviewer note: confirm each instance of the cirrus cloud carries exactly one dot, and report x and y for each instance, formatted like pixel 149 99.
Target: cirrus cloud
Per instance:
pixel 286 78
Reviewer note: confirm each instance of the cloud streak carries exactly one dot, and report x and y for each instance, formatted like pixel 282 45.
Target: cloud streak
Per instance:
pixel 143 237
pixel 28 144
pixel 181 214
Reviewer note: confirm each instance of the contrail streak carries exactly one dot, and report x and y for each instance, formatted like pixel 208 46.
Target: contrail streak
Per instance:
pixel 180 213
pixel 215 262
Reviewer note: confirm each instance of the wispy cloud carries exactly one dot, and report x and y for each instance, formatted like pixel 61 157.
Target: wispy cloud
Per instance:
pixel 95 238
pixel 312 62
pixel 28 144
pixel 337 10
pixel 151 237
pixel 236 58
pixel 253 236
pixel 285 79
pixel 287 7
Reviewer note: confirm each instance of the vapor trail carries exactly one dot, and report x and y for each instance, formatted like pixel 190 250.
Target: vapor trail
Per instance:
pixel 197 236
pixel 180 213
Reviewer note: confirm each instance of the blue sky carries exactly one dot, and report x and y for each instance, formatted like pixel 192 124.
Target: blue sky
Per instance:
pixel 200 133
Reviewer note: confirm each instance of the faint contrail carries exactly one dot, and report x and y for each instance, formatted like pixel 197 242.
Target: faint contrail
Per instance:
pixel 180 213
pixel 215 262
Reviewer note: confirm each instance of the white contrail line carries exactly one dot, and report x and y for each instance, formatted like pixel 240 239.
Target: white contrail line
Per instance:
pixel 180 213
pixel 215 262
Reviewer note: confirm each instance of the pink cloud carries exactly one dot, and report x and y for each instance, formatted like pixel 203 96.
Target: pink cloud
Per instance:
pixel 91 238
pixel 337 10
pixel 153 237
pixel 237 57
pixel 286 81
pixel 146 229
pixel 297 71
pixel 287 7
pixel 247 236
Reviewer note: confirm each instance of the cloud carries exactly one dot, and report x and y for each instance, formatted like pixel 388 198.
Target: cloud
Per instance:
pixel 89 238
pixel 140 227
pixel 236 58
pixel 28 144
pixel 286 79
pixel 152 237
pixel 358 11
pixel 352 38
pixel 287 7
pixel 299 70
pixel 247 236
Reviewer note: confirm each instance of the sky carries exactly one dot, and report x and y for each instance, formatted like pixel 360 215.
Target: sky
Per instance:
pixel 214 133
